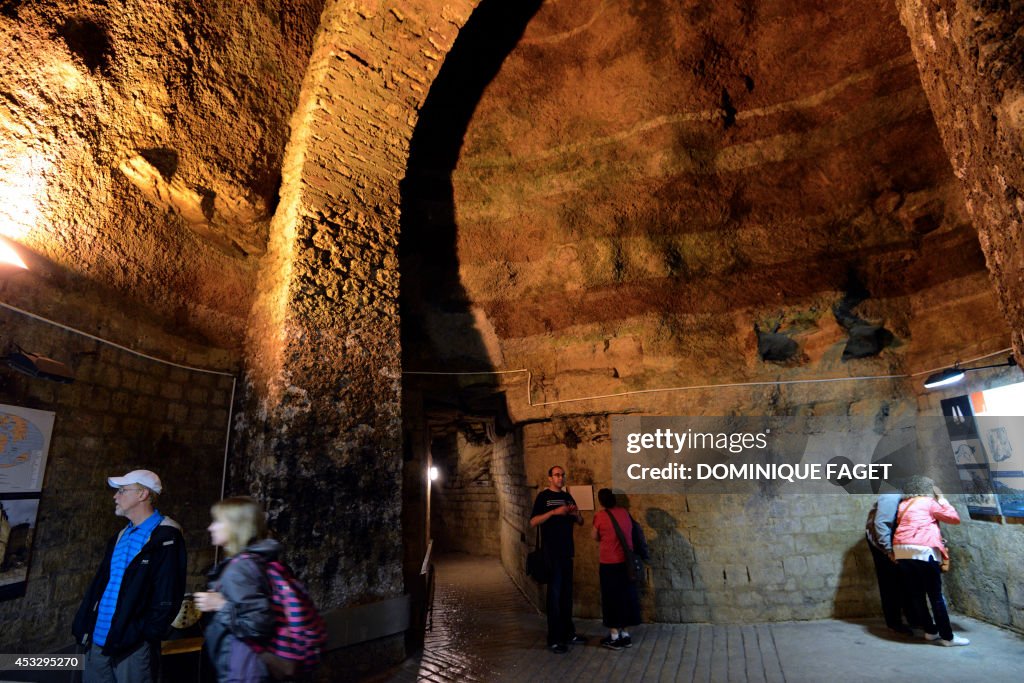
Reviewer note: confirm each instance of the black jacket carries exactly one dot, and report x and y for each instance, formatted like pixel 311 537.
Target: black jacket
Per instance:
pixel 150 596
pixel 248 614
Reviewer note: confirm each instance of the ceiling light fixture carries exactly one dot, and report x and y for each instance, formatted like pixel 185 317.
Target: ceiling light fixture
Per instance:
pixel 956 373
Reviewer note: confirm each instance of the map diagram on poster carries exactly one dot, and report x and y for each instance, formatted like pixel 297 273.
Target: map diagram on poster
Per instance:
pixel 24 443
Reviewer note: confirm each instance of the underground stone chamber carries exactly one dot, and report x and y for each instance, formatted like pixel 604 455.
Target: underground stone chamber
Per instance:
pixel 596 199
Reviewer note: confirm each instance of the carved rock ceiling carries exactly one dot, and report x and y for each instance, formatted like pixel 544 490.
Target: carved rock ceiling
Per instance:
pixel 642 184
pixel 639 185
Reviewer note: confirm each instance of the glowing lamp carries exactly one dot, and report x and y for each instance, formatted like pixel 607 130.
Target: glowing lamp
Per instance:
pixel 8 256
pixel 956 373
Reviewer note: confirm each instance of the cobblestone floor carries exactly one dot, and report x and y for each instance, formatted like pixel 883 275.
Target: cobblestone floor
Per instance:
pixel 485 630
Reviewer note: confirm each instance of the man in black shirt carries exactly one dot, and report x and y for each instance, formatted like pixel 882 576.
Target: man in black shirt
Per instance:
pixel 556 513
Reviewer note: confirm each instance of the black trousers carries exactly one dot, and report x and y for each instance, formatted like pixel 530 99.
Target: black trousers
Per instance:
pixel 620 602
pixel 560 627
pixel 924 580
pixel 895 599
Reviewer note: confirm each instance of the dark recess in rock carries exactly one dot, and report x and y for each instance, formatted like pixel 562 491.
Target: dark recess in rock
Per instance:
pixel 865 339
pixel 774 346
pixel 89 41
pixel 271 190
pixel 163 160
pixel 674 260
pixel 207 203
pixel 728 110
pixel 9 8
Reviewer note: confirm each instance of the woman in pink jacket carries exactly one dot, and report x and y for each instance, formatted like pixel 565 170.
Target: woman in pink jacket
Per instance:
pixel 918 549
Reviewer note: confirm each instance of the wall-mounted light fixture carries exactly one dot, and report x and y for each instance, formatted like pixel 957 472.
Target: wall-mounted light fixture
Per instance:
pixel 9 256
pixel 433 474
pixel 956 373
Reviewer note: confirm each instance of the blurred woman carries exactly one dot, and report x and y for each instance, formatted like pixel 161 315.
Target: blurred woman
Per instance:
pixel 919 551
pixel 620 603
pixel 239 595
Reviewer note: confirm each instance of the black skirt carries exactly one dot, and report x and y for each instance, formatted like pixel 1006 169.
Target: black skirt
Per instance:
pixel 620 602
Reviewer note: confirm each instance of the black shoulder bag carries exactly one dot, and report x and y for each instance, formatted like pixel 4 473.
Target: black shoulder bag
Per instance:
pixel 536 564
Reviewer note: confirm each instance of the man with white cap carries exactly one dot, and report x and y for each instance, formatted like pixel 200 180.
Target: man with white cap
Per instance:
pixel 137 590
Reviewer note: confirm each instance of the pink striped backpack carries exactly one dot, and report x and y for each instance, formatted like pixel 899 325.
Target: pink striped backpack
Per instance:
pixel 299 634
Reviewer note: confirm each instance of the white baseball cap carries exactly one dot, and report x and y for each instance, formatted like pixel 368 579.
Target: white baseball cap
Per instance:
pixel 144 477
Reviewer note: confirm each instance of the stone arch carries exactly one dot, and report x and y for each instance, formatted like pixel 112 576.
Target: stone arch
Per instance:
pixel 325 364
pixel 323 445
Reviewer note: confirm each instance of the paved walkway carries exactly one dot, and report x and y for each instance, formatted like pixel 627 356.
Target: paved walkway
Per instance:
pixel 485 630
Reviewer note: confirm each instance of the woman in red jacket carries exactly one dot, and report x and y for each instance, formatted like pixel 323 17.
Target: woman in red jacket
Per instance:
pixel 919 550
pixel 620 602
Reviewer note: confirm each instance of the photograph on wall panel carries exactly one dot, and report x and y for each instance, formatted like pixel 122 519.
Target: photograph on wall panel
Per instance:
pixel 969 455
pixel 1000 427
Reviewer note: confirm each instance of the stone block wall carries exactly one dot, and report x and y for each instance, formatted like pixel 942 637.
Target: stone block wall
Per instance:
pixel 735 558
pixel 465 510
pixel 515 503
pixel 732 558
pixel 723 558
pixel 122 412
pixel 466 520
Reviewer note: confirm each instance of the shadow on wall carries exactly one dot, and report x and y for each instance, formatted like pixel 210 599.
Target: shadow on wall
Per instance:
pixel 677 593
pixel 431 291
pixel 856 590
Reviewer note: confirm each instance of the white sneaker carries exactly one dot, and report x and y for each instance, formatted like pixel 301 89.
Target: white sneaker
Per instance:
pixel 931 636
pixel 957 640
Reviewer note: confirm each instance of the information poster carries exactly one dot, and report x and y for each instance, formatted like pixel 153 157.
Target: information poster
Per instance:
pixel 24 445
pixel 972 464
pixel 1000 433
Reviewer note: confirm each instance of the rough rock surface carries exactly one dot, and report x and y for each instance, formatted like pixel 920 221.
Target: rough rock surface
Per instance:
pixel 322 421
pixel 642 184
pixel 971 59
pixel 141 144
pixel 638 198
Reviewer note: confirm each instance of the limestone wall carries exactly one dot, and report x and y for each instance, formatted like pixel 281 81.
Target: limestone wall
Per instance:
pixel 322 399
pixel 122 412
pixel 738 558
pixel 465 507
pixel 721 558
pixel 515 503
pixel 141 143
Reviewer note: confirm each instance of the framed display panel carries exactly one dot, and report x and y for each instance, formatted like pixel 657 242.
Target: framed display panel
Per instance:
pixel 24 445
pixel 969 455
pixel 1000 432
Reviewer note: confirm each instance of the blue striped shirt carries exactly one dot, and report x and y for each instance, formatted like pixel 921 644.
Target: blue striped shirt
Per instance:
pixel 128 546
